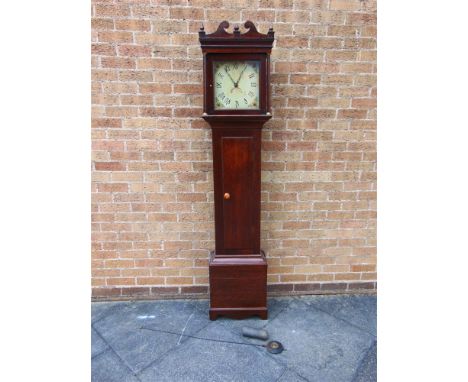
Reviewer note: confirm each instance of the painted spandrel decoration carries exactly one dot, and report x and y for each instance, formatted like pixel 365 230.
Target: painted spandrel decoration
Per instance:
pixel 236 104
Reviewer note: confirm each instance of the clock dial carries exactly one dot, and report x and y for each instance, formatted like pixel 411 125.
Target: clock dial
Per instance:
pixel 236 85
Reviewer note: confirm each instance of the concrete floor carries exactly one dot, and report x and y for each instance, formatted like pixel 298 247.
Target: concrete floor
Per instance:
pixel 326 338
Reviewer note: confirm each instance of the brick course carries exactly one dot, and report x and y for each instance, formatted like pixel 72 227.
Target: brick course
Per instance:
pixel 152 190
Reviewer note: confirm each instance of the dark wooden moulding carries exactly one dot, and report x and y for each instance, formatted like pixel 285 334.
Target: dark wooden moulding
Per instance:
pixel 237 266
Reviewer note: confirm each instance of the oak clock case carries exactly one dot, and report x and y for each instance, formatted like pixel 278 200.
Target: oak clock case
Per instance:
pixel 236 71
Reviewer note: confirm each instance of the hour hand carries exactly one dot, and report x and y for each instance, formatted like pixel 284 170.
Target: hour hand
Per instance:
pixel 240 75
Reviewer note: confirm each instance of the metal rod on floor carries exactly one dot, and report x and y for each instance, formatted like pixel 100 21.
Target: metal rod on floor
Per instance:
pixel 200 338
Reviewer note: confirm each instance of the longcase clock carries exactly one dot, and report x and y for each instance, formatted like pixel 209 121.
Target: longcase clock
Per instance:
pixel 236 70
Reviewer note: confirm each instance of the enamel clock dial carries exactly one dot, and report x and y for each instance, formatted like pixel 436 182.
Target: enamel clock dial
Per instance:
pixel 236 85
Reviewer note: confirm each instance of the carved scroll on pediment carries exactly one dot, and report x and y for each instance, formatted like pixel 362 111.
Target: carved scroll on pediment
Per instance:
pixel 222 33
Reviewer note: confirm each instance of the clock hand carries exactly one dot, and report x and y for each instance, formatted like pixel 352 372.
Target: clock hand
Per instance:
pixel 240 75
pixel 235 85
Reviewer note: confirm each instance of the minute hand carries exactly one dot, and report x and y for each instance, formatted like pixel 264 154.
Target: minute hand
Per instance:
pixel 230 76
pixel 240 75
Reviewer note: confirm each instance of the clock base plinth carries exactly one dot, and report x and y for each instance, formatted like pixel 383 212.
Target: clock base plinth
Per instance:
pixel 238 286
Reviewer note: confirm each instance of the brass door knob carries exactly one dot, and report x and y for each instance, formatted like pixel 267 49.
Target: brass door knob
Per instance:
pixel 227 196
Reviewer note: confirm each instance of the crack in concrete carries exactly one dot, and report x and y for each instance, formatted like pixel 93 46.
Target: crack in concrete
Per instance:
pixel 338 318
pixel 114 351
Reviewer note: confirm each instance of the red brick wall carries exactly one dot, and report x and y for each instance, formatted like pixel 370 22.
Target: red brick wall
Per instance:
pixel 152 190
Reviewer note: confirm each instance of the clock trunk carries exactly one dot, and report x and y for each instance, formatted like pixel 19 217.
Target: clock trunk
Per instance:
pixel 236 155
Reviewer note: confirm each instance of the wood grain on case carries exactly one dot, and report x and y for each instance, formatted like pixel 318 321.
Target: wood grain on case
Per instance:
pixel 236 182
